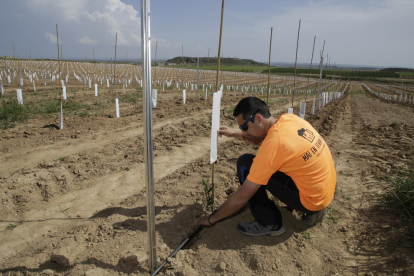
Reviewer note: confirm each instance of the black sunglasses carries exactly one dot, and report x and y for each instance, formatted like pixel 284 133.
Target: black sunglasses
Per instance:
pixel 244 126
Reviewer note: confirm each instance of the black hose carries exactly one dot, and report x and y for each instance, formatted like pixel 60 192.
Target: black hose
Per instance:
pixel 192 235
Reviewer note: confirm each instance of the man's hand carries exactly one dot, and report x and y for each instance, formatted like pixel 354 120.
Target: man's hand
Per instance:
pixel 204 221
pixel 226 131
pixel 235 201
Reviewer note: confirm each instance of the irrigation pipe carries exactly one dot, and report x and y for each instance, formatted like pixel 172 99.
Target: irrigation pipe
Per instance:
pixel 190 237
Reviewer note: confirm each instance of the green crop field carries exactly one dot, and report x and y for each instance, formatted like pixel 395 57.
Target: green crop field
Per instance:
pixel 338 73
pixel 236 68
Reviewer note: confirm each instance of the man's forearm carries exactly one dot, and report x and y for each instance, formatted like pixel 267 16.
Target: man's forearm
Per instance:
pixel 229 207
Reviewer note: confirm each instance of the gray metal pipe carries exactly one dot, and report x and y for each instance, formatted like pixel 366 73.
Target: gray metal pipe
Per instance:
pixel 148 150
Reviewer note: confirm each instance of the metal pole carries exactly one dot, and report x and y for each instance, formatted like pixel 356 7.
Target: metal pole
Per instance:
pixel 149 168
pixel 268 72
pixel 296 59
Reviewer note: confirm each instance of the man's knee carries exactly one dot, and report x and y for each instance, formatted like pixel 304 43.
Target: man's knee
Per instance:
pixel 244 163
pixel 245 160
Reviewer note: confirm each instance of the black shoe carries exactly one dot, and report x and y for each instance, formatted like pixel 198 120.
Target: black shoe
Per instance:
pixel 314 218
pixel 254 229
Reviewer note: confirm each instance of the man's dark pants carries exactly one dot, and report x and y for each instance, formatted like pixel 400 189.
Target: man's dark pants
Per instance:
pixel 280 185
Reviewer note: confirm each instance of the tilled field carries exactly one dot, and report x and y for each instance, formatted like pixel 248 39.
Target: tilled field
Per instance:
pixel 80 192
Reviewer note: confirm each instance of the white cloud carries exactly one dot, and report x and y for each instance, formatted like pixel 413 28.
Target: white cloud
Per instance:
pixel 51 38
pixel 103 18
pixel 66 10
pixel 355 32
pixel 86 40
pixel 164 43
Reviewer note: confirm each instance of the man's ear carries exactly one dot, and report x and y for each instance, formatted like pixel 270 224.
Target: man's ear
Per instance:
pixel 259 118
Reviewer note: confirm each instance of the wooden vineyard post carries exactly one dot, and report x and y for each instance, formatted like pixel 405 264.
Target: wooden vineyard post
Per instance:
pixel 217 83
pixel 310 67
pixel 198 79
pixel 61 104
pixel 320 75
pixel 268 72
pixel 155 67
pixel 114 76
pixel 296 59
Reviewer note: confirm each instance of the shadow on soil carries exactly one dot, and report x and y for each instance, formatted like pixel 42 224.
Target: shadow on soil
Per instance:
pixel 222 236
pixel 121 266
pixel 381 244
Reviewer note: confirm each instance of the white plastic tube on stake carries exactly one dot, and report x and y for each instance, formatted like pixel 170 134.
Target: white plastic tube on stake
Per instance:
pixel 96 90
pixel 154 98
pixel 2 89
pixel 61 116
pixel 117 107
pixel 19 96
pixel 215 124
pixel 184 96
pixel 8 79
pixel 290 110
pixel 64 92
pixel 302 110
pixel 313 106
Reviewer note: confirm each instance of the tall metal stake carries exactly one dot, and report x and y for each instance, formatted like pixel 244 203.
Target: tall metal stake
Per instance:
pixel 268 72
pixel 296 59
pixel 217 85
pixel 149 168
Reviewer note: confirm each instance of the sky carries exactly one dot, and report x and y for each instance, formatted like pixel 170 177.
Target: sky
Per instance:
pixel 378 33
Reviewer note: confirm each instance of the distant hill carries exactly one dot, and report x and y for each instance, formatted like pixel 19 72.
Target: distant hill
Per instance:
pixel 213 61
pixel 397 70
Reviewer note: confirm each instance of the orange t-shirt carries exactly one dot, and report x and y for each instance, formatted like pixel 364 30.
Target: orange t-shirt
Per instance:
pixel 295 148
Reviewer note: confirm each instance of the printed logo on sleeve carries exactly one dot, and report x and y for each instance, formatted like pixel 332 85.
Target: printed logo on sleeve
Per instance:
pixel 307 134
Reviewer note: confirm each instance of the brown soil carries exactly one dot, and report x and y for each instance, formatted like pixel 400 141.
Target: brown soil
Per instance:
pixel 81 191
